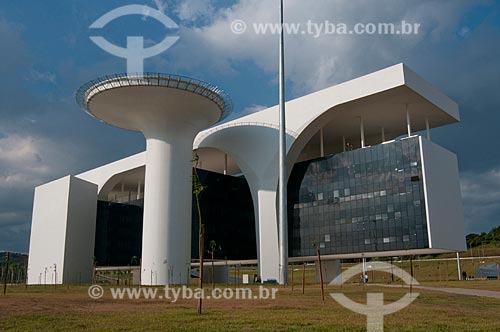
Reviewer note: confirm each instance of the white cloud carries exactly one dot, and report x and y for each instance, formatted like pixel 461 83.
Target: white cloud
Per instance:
pixel 160 5
pixel 254 108
pixel 28 161
pixel 248 110
pixel 193 10
pixel 312 63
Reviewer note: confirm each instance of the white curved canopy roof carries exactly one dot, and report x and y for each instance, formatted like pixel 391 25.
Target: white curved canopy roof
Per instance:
pixel 380 98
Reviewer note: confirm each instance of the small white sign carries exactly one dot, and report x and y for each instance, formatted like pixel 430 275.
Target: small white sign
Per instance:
pixel 245 279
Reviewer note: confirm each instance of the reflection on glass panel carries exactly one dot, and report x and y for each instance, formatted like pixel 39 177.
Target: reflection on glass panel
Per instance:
pixel 365 200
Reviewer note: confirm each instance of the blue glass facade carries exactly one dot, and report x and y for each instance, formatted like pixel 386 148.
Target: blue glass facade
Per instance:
pixel 227 212
pixel 365 200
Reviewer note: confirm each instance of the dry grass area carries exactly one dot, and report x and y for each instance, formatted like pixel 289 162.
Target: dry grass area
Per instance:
pixel 41 308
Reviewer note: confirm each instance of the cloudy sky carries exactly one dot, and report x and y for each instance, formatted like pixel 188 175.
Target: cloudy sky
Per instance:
pixel 46 54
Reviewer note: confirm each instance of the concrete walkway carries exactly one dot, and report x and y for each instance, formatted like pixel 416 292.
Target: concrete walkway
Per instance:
pixel 461 291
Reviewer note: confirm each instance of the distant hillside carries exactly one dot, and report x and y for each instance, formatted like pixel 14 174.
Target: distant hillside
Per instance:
pixel 492 238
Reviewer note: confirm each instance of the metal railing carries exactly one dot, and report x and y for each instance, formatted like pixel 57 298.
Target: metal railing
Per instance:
pixel 87 91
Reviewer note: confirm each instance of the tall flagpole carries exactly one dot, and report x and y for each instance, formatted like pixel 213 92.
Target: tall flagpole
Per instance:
pixel 283 226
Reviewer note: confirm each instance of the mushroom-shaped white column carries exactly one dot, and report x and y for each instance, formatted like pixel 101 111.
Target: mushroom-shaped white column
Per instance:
pixel 170 111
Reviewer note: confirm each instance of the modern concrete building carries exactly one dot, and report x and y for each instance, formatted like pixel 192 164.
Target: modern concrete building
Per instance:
pixel 362 181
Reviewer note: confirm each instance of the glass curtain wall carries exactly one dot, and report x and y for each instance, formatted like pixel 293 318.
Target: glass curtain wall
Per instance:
pixel 366 200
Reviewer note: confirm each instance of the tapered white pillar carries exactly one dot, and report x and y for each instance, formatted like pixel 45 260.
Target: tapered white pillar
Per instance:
pixel 166 244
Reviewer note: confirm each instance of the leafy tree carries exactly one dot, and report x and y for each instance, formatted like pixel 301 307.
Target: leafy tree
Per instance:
pixel 475 240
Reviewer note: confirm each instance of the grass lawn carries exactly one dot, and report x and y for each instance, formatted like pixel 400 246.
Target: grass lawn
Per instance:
pixel 491 285
pixel 44 309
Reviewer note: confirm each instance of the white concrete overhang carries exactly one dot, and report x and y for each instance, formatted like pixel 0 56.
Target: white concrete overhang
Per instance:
pixel 107 177
pixel 380 98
